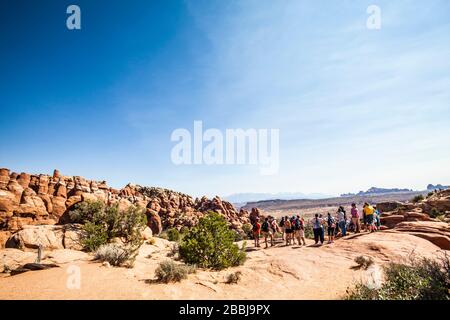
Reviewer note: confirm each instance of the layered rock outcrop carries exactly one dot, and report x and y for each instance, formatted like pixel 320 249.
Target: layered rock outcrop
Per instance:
pixel 420 218
pixel 40 199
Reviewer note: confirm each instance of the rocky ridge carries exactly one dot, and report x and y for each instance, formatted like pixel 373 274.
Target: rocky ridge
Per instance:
pixel 428 218
pixel 40 199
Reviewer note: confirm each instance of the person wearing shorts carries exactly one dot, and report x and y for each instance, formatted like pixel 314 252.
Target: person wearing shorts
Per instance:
pixel 331 226
pixel 369 212
pixel 266 232
pixel 318 229
pixel 256 231
pixel 288 230
pixel 355 218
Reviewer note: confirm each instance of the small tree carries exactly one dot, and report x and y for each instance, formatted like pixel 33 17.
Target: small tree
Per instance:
pixel 210 244
pixel 418 198
pixel 103 223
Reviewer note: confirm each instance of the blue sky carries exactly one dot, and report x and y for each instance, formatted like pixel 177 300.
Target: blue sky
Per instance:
pixel 355 107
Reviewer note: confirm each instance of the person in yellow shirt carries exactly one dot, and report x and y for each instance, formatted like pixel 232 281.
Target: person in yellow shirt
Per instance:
pixel 368 216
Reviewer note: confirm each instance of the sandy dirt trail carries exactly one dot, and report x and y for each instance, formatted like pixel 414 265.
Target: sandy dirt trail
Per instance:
pixel 279 272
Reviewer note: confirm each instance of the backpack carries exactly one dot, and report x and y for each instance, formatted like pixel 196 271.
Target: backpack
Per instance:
pixel 297 224
pixel 331 222
pixel 265 226
pixel 255 226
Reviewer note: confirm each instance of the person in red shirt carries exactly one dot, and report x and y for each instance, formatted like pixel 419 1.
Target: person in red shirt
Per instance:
pixel 256 231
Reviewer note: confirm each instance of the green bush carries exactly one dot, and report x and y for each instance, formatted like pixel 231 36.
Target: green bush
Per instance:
pixel 309 233
pixel 247 229
pixel 173 235
pixel 434 213
pixel 210 244
pixel 95 235
pixel 103 223
pixel 169 271
pixel 423 279
pixel 184 230
pixel 418 198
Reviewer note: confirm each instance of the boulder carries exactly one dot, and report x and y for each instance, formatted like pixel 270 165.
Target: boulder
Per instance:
pixel 4 178
pixel 392 220
pixel 436 232
pixel 154 221
pixel 11 259
pixel 388 206
pixel 73 234
pixel 24 179
pixel 31 204
pixel 30 237
pixel 147 233
pixel 59 206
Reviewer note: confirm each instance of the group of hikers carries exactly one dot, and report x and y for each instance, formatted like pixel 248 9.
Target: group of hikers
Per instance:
pixel 292 229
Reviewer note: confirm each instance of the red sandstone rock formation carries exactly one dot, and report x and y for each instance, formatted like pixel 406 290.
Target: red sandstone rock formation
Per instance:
pixel 38 199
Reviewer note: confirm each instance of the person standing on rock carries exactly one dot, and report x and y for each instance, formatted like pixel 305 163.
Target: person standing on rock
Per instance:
pixel 273 226
pixel 318 229
pixel 256 231
pixel 300 230
pixel 355 218
pixel 266 232
pixel 342 221
pixel 368 213
pixel 376 215
pixel 331 225
pixel 288 230
pixel 282 227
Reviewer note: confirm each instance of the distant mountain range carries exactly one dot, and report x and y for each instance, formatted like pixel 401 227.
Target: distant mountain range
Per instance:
pixel 375 190
pixel 438 186
pixel 253 197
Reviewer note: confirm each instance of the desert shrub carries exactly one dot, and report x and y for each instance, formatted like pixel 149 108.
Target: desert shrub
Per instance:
pixel 151 241
pixel 364 262
pixel 239 236
pixel 184 230
pixel 417 198
pixel 210 244
pixel 430 194
pixel 423 279
pixel 103 223
pixel 87 211
pixel 169 271
pixel 233 278
pixel 115 254
pixel 247 229
pixel 434 213
pixel 95 235
pixel 173 234
pixel 309 233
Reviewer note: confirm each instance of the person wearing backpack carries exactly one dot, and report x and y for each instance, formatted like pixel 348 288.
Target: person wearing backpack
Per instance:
pixel 256 231
pixel 288 230
pixel 302 230
pixel 299 232
pixel 318 229
pixel 331 226
pixel 266 232
pixel 282 227
pixel 342 221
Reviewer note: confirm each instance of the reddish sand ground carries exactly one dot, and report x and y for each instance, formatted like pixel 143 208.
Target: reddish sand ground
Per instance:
pixel 279 272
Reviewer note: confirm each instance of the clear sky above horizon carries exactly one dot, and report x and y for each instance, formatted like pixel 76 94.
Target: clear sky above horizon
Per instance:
pixel 355 107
